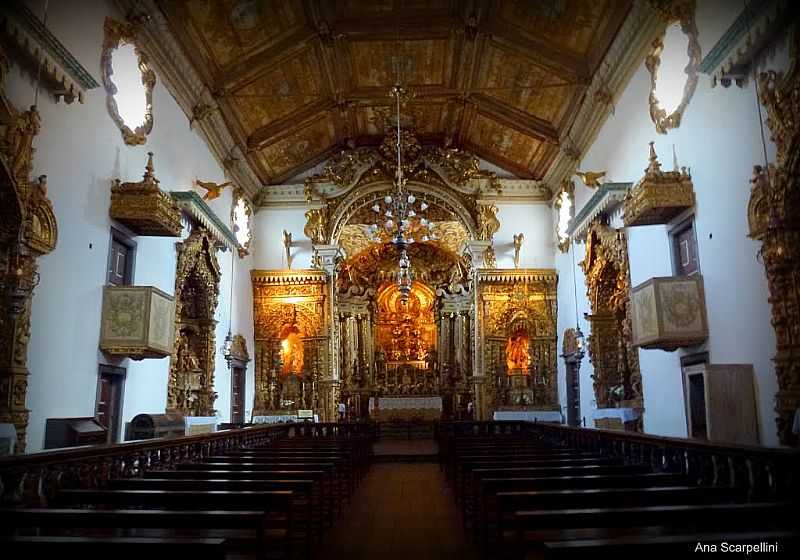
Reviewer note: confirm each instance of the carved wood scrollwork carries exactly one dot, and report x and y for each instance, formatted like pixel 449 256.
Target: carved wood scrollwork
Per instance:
pixel 28 229
pixel 191 374
pixel 772 216
pixel 617 379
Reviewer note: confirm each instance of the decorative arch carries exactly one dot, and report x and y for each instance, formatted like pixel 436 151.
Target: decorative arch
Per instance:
pixel 372 192
pixel 191 375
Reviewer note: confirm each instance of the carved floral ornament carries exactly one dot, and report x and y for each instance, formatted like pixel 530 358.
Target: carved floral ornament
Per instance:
pixel 679 17
pixel 118 35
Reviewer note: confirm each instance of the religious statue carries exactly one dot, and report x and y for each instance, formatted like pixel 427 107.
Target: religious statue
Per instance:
pixel 316 225
pixel 287 243
pixel 489 259
pixel 517 356
pixel 488 224
pixel 186 360
pixel 213 190
pixel 518 239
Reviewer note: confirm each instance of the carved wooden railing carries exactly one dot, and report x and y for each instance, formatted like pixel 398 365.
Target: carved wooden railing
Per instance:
pixel 32 479
pixel 760 471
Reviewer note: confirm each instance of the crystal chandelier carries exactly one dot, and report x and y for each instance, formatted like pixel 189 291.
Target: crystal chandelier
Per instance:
pixel 403 223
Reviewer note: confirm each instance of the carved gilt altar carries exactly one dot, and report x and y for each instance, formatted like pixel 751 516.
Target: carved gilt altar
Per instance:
pixel 191 374
pixel 28 230
pixel 292 337
pixel 517 312
pixel 617 379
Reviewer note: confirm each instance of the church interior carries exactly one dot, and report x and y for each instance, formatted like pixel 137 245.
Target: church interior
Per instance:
pixel 494 279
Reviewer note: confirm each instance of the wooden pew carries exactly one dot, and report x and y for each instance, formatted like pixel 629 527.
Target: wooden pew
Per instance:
pixel 119 548
pixel 307 502
pixel 336 485
pixel 318 476
pixel 534 528
pixel 277 506
pixel 675 545
pixel 239 528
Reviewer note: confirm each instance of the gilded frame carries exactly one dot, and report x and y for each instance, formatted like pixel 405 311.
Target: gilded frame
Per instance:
pixel 238 194
pixel 116 35
pixel 682 14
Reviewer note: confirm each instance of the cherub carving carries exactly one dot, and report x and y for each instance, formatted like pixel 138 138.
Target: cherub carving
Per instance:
pixel 488 224
pixel 213 190
pixel 316 225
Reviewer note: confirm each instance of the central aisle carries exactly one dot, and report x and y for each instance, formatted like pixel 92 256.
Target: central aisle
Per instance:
pixel 400 510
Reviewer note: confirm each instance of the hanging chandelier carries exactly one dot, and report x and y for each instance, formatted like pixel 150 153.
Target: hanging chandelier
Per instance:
pixel 401 211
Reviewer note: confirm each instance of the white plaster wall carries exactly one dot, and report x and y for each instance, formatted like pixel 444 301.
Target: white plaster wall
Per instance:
pixel 269 252
pixel 719 139
pixel 535 221
pixel 81 151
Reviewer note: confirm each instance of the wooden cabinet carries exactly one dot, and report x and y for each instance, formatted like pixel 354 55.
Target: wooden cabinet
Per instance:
pixel 721 403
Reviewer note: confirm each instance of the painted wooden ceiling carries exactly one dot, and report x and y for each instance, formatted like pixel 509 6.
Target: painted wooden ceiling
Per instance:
pixel 298 80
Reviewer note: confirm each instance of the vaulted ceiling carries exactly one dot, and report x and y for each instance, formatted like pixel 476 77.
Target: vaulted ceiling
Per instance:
pixel 298 80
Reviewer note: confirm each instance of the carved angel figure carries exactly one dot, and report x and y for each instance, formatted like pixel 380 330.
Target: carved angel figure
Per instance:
pixel 518 239
pixel 591 178
pixel 316 225
pixel 488 224
pixel 213 190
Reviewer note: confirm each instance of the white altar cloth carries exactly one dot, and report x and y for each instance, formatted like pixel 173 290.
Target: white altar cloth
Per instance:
pixel 276 419
pixel 529 415
pixel 406 403
pixel 623 414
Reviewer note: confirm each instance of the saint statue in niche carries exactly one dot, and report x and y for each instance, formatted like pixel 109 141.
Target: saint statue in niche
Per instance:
pixel 517 357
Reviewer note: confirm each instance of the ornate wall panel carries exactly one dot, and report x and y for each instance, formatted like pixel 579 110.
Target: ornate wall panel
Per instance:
pixel 292 335
pixel 772 214
pixel 28 229
pixel 617 380
pixel 191 373
pixel 517 312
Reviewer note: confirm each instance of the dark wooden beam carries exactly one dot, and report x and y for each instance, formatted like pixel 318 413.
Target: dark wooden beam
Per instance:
pixel 288 124
pixel 518 120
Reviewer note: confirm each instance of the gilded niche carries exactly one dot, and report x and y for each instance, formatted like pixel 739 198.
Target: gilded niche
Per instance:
pixel 291 323
pixel 517 314
pixel 617 380
pixel 191 375
pixel 772 216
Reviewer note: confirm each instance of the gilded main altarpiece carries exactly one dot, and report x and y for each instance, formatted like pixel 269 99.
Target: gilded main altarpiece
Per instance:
pixel 340 332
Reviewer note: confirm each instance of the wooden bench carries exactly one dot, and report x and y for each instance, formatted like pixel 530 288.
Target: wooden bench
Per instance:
pixel 247 530
pixel 119 548
pixel 672 544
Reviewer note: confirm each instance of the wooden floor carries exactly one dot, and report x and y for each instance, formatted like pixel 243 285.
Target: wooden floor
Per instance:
pixel 403 511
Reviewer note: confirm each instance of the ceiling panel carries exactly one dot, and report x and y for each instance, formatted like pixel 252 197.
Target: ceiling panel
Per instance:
pixel 302 146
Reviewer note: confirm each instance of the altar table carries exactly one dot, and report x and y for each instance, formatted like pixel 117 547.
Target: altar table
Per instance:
pixel 405 408
pixel 530 415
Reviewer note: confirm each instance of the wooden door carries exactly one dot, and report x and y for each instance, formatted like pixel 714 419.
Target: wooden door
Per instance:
pixel 573 393
pixel 237 395
pixel 108 410
pixel 686 252
pixel 119 265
